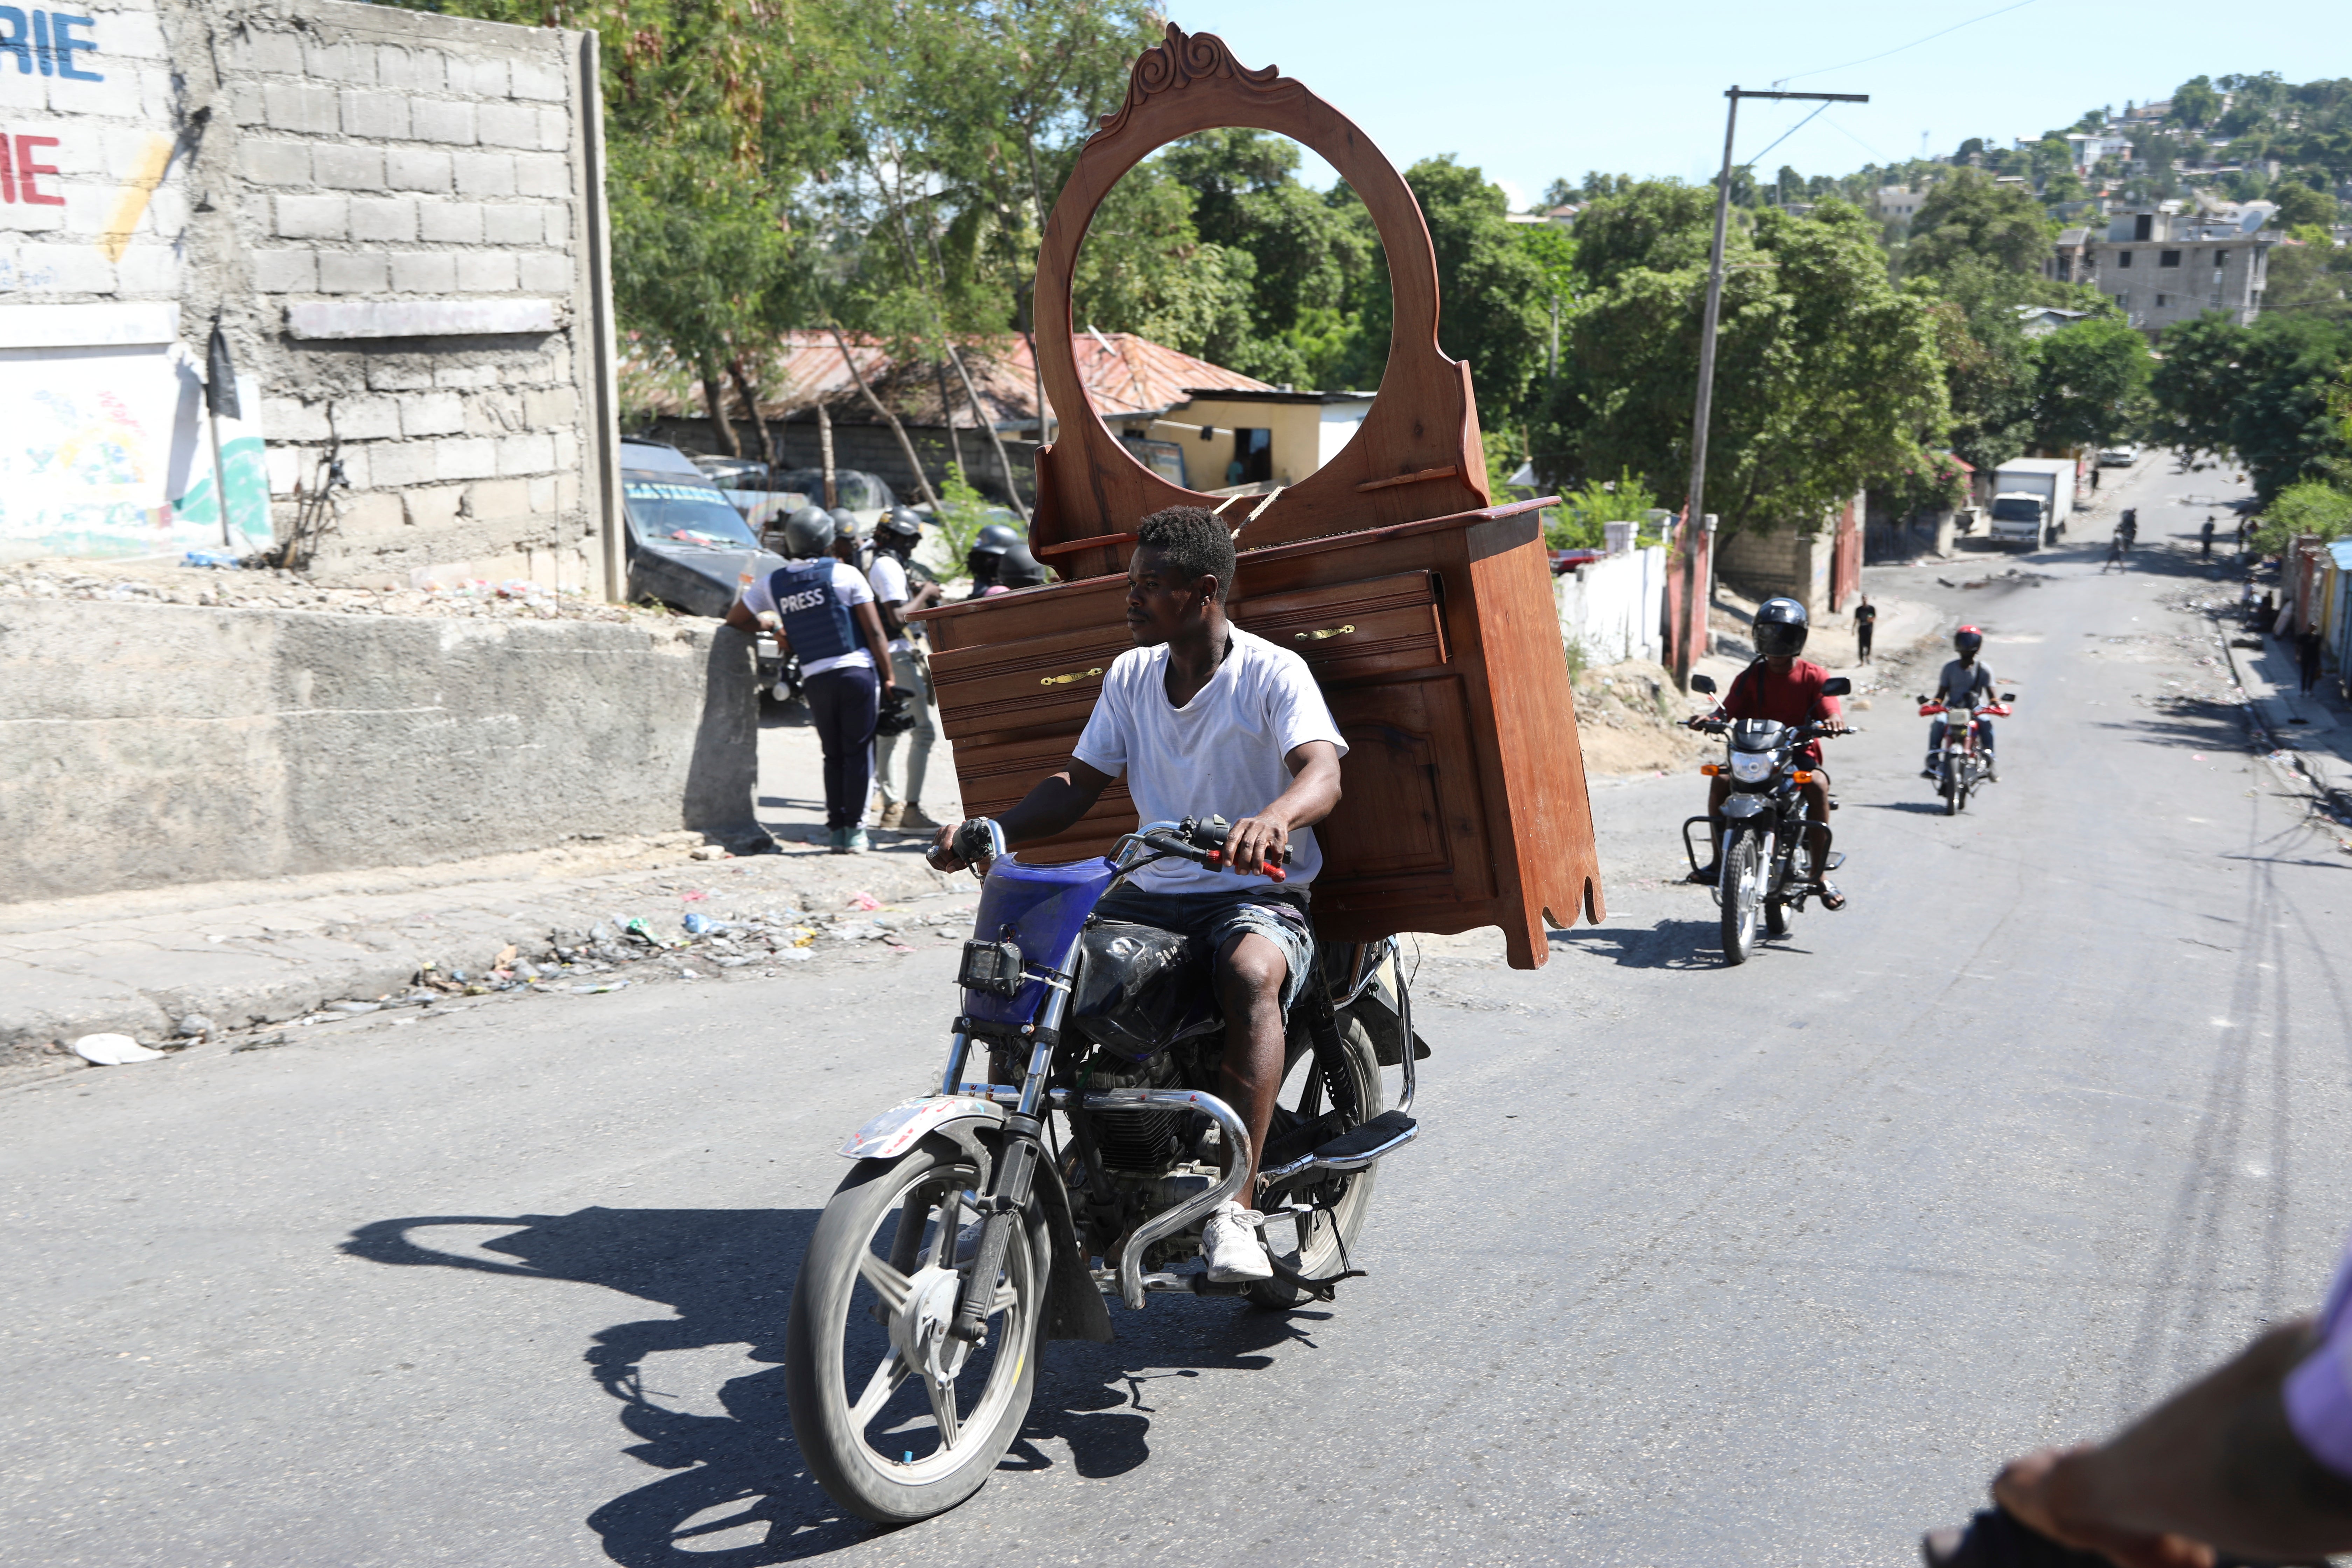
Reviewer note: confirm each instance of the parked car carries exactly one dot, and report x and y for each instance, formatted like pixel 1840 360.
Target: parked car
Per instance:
pixel 731 473
pixel 864 494
pixel 2122 457
pixel 687 548
pixel 1563 561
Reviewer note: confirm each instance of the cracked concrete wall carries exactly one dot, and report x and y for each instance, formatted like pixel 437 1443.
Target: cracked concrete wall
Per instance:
pixel 397 217
pixel 148 744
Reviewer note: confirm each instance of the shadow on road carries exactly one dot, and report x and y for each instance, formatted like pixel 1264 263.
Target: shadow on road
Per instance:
pixel 1918 807
pixel 1669 944
pixel 728 1275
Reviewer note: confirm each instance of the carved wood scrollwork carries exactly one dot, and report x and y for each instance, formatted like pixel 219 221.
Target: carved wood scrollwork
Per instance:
pixel 1418 454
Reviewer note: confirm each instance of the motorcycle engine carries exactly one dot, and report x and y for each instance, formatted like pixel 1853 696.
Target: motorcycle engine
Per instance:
pixel 1135 1140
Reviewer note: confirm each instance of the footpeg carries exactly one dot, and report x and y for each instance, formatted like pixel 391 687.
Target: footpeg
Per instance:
pixel 1352 1151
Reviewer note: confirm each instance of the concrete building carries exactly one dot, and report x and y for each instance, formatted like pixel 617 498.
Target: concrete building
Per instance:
pixel 1890 204
pixel 2089 147
pixel 396 219
pixel 2162 267
pixel 1234 440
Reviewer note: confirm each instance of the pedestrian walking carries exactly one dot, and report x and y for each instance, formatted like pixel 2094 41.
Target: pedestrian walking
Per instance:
pixel 821 607
pixel 2307 646
pixel 2208 537
pixel 895 538
pixel 2115 553
pixel 1866 623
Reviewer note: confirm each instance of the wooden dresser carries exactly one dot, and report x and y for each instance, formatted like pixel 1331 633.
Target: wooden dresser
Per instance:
pixel 1426 614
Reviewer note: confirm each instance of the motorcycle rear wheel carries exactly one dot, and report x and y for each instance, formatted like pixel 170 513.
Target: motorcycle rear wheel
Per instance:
pixel 1321 1253
pixel 871 1286
pixel 1741 882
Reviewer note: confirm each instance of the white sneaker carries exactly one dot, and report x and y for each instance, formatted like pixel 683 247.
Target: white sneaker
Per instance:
pixel 1234 1249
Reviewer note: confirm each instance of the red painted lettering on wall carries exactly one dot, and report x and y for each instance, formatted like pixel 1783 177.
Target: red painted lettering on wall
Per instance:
pixel 26 190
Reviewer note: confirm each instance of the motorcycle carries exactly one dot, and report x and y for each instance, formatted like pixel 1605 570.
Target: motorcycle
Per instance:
pixel 968 1233
pixel 1961 765
pixel 1766 818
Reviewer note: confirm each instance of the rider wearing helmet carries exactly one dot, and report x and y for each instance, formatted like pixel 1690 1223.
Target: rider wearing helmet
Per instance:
pixel 1963 687
pixel 987 552
pixel 1787 690
pixel 819 605
pixel 895 538
pixel 1017 569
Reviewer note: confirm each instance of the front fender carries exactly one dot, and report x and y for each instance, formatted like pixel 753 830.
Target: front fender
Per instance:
pixel 894 1131
pixel 1741 806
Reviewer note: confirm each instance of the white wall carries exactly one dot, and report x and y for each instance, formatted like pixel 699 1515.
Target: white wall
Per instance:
pixel 1611 609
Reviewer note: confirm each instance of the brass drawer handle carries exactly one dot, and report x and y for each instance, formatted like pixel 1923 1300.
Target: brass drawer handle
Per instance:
pixel 1074 674
pixel 1326 632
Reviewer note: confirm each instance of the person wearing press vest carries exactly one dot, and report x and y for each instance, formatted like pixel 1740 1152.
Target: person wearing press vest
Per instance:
pixel 819 606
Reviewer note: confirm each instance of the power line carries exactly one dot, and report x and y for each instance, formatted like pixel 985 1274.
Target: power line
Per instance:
pixel 1824 71
pixel 1758 157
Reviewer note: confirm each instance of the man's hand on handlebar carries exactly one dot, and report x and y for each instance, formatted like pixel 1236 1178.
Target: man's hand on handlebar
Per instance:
pixel 961 844
pixel 1257 845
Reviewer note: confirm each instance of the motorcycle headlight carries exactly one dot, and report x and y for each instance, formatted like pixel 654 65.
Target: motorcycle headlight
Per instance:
pixel 1751 767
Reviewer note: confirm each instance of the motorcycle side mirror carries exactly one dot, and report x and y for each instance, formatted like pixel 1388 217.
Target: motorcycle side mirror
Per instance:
pixel 1837 686
pixel 1703 684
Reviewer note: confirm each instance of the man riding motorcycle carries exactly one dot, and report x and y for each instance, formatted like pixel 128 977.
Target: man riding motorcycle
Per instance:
pixel 1963 687
pixel 1781 686
pixel 1206 720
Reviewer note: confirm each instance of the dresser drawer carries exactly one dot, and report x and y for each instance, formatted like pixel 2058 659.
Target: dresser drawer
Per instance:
pixel 1026 684
pixel 1347 630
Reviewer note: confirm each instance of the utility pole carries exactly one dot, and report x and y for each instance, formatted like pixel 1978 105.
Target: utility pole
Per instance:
pixel 1694 508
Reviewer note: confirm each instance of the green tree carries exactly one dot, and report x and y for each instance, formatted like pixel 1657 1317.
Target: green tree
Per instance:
pixel 2263 394
pixel 2089 380
pixel 2309 274
pixel 2195 103
pixel 1969 216
pixel 2309 507
pixel 1827 376
pixel 2299 206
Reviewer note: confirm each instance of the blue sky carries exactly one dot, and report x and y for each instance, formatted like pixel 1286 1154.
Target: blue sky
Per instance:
pixel 1527 91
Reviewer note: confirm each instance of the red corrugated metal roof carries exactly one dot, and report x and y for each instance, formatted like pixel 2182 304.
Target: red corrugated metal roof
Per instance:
pixel 1125 375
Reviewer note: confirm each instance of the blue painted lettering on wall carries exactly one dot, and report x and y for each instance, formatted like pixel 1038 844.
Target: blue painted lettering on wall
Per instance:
pixel 44 42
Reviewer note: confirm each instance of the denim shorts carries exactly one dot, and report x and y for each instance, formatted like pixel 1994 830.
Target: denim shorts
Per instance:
pixel 1280 915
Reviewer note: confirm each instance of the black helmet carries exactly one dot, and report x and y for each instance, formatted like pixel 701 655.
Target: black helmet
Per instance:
pixel 846 525
pixel 1018 569
pixel 1780 626
pixel 899 524
pixel 807 532
pixel 1967 641
pixel 996 539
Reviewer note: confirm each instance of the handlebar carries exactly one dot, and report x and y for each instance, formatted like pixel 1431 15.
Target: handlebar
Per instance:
pixel 1811 730
pixel 1202 842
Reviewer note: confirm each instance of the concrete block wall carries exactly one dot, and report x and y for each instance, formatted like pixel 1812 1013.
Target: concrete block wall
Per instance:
pixel 152 744
pixel 393 159
pixel 1768 562
pixel 396 218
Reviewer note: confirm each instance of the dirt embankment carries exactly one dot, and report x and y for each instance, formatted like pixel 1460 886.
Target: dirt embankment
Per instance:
pixel 1627 720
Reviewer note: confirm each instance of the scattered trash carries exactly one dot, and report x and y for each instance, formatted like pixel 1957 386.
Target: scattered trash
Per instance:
pixel 259 1043
pixel 698 925
pixel 642 932
pixel 220 559
pixel 195 1025
pixel 112 1050
pixel 2195 756
pixel 505 957
pixel 863 900
pixel 694 895
pixel 709 852
pixel 354 1008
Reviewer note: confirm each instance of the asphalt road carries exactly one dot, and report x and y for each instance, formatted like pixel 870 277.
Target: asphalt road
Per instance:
pixel 1690 1266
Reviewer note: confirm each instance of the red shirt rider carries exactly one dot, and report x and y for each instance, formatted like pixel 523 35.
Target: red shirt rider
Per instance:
pixel 1792 697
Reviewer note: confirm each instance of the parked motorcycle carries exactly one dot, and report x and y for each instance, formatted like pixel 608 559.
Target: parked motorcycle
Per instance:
pixel 1961 765
pixel 1766 818
pixel 968 1233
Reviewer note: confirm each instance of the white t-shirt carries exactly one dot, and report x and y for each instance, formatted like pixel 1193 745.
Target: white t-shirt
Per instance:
pixel 849 586
pixel 1219 755
pixel 889 578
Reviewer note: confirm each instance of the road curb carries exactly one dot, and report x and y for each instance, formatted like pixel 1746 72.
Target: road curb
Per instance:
pixel 2324 772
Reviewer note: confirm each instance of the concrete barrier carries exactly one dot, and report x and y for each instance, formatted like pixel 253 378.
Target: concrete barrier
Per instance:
pixel 143 745
pixel 1611 609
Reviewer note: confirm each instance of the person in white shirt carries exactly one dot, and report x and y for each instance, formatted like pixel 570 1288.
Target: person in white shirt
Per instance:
pixel 895 538
pixel 1205 720
pixel 819 606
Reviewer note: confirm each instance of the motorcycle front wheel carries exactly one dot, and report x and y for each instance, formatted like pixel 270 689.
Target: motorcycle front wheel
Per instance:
pixel 1951 787
pixel 897 1421
pixel 1742 884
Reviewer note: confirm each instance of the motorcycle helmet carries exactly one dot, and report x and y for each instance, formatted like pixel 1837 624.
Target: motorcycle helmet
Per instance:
pixel 808 532
pixel 988 549
pixel 1967 641
pixel 898 526
pixel 1780 626
pixel 1018 569
pixel 846 525
pixel 897 715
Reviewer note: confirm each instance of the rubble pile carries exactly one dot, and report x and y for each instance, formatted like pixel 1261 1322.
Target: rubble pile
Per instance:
pixel 159 582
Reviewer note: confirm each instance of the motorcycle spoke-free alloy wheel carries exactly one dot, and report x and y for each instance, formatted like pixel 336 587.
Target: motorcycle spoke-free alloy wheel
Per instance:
pixel 1743 893
pixel 897 1420
pixel 1319 1251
